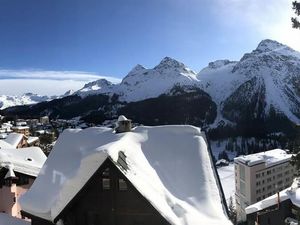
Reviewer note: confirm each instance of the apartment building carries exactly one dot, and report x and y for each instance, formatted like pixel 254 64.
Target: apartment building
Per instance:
pixel 260 175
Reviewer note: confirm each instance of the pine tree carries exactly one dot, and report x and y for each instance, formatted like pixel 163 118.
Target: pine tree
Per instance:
pixel 231 211
pixel 296 8
pixel 295 148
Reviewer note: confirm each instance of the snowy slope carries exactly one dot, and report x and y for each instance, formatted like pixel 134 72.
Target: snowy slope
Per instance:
pixel 148 151
pixel 227 176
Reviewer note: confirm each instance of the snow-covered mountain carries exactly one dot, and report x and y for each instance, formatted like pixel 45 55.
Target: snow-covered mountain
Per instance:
pixel 25 99
pixel 263 81
pixel 141 83
pixel 28 99
pixel 262 87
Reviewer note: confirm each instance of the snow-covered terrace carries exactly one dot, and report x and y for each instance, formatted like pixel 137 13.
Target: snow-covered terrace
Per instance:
pixel 269 158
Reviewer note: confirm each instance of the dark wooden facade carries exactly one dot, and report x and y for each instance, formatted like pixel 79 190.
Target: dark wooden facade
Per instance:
pixel 108 199
pixel 273 215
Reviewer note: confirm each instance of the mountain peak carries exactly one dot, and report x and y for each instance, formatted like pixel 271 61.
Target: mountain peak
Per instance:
pixel 100 83
pixel 136 69
pixel 268 45
pixel 169 62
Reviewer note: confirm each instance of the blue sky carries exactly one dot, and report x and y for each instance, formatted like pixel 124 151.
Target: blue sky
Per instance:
pixel 108 38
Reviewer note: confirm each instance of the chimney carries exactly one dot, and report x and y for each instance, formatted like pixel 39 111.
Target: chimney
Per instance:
pixel 123 124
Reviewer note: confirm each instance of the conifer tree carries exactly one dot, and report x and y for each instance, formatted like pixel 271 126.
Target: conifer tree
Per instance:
pixel 296 8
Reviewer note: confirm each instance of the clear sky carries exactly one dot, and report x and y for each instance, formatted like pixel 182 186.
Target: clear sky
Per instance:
pixel 109 37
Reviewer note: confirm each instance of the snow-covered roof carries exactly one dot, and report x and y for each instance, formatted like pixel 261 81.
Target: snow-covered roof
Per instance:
pixel 3 135
pixel 270 158
pixel 153 156
pixel 27 161
pixel 31 140
pixel 122 118
pixel 20 127
pixel 5 145
pixel 6 219
pixel 14 139
pixel 292 193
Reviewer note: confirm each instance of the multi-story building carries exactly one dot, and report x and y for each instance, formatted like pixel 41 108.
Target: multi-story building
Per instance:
pixel 260 175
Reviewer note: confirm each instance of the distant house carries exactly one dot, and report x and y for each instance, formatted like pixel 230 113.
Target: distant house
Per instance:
pixel 151 176
pixel 21 130
pixel 44 120
pixel 33 141
pixel 18 170
pixel 16 140
pixel 278 209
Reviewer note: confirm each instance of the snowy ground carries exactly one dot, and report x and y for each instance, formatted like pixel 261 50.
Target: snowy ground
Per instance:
pixel 226 174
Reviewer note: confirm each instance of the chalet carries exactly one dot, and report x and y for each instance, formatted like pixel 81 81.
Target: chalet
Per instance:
pixel 278 209
pixel 16 140
pixel 18 170
pixel 152 176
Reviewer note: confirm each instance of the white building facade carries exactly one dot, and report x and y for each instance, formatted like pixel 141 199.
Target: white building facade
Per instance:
pixel 260 175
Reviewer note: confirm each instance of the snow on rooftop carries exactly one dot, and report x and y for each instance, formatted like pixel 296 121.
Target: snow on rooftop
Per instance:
pixel 292 193
pixel 14 139
pixel 32 139
pixel 27 160
pixel 5 145
pixel 20 127
pixel 5 219
pixel 270 158
pixel 153 154
pixel 122 118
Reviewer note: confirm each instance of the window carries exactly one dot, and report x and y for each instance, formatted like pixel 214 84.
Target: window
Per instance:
pixel 105 183
pixel 257 191
pixel 258 199
pixel 243 188
pixel 257 175
pixel 105 172
pixel 122 185
pixel 242 172
pixel 105 179
pixel 268 172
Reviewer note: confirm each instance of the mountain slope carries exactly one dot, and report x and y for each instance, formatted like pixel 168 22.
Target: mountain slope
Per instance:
pixel 262 82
